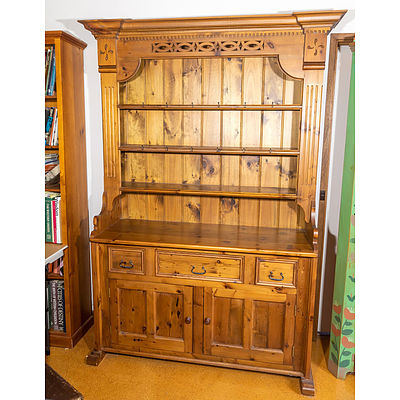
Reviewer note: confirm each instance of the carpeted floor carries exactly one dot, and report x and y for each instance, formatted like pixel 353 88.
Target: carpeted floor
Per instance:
pixel 134 378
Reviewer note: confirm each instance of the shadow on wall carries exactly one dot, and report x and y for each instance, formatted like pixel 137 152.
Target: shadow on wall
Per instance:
pixel 329 281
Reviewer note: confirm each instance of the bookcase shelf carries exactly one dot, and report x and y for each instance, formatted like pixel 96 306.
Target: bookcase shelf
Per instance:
pixel 209 190
pixel 69 101
pixel 53 188
pixel 235 151
pixel 211 107
pixel 51 149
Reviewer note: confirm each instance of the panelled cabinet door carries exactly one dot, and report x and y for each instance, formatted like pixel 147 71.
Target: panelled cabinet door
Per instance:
pixel 249 326
pixel 151 316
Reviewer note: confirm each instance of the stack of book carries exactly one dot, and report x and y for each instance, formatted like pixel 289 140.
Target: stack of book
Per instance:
pixel 50 71
pixel 55 305
pixel 51 126
pixel 56 267
pixel 51 169
pixel 52 217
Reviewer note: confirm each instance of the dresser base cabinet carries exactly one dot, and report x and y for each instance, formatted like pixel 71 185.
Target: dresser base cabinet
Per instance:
pixel 205 247
pixel 205 316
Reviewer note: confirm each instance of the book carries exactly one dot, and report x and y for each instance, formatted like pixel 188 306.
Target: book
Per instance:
pixel 50 175
pixel 53 123
pixel 62 266
pixel 52 79
pixel 60 306
pixel 47 219
pixel 58 221
pixel 48 71
pixel 48 312
pixel 49 119
pixel 53 217
pixel 53 303
pixel 54 220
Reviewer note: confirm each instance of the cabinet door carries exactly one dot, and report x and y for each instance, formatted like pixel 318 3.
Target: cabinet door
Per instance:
pixel 249 325
pixel 151 315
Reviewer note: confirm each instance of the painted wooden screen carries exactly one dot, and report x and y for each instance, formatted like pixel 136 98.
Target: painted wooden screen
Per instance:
pixel 341 352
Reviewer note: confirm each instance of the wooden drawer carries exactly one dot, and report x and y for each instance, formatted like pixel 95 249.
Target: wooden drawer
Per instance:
pixel 126 260
pixel 215 267
pixel 276 272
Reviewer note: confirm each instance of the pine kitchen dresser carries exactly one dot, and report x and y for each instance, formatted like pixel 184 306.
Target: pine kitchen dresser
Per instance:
pixel 205 247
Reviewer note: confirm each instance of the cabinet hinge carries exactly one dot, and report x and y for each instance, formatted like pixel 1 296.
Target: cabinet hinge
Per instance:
pixel 322 195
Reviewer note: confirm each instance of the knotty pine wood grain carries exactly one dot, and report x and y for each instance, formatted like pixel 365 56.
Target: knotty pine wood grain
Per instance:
pixel 207 237
pixel 224 81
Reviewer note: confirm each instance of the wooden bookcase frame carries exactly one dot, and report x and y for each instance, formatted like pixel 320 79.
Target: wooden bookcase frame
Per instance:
pixel 238 252
pixel 69 100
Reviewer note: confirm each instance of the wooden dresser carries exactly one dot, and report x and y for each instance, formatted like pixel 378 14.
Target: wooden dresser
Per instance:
pixel 205 248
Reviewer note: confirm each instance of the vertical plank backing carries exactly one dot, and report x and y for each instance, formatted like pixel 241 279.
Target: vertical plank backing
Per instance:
pixel 211 167
pixel 231 94
pixel 154 94
pixel 172 130
pixel 251 133
pixel 192 80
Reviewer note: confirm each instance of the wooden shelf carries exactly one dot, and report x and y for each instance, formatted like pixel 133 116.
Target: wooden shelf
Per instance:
pixel 51 149
pixel 253 151
pixel 54 277
pixel 51 98
pixel 209 190
pixel 199 236
pixel 53 188
pixel 211 107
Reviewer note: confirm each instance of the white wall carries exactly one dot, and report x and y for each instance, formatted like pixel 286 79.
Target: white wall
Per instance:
pixel 63 15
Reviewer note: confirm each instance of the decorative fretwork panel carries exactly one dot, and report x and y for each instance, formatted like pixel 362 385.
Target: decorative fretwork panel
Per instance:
pixel 208 46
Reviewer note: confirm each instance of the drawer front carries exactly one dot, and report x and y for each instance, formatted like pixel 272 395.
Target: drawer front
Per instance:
pixel 200 266
pixel 126 260
pixel 276 272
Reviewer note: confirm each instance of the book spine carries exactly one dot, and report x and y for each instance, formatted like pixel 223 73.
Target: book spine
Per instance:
pixel 55 132
pixel 58 220
pixel 49 119
pixel 48 219
pixel 53 75
pixel 60 306
pixel 52 126
pixel 47 305
pixel 54 220
pixel 49 69
pixel 62 266
pixel 54 318
pixel 50 51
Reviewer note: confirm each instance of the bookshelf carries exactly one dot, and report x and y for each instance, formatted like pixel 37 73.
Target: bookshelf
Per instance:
pixel 71 149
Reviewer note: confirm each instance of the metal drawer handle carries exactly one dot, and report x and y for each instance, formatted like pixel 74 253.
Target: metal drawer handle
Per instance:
pixel 198 273
pixel 124 264
pixel 275 279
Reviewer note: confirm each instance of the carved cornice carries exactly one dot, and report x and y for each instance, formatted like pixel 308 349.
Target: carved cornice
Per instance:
pixel 319 21
pixel 316 20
